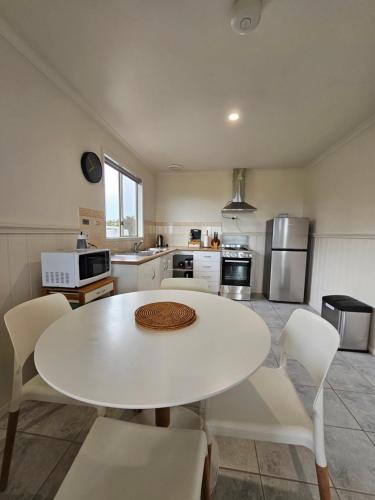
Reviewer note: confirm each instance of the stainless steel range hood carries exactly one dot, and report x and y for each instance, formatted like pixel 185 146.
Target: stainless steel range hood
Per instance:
pixel 238 203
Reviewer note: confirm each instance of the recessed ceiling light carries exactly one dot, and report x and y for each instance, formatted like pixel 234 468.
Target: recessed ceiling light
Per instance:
pixel 233 117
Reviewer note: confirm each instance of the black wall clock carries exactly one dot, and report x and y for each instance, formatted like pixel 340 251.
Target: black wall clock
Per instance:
pixel 91 167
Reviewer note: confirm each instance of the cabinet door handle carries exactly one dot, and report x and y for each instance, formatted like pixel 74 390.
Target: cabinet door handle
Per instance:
pixel 154 274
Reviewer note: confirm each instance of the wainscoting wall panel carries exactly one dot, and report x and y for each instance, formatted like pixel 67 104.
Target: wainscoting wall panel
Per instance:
pixel 20 280
pixel 343 264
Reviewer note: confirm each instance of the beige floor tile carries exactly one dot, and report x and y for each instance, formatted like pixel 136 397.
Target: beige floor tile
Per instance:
pixel 286 461
pixel 34 458
pixel 281 489
pixel 237 454
pixel 233 485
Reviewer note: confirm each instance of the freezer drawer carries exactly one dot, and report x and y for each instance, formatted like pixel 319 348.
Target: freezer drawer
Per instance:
pixel 287 279
pixel 290 233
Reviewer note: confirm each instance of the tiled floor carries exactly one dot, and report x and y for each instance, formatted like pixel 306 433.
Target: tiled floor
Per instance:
pixel 49 437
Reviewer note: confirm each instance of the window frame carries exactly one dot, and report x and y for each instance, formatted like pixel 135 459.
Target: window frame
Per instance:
pixel 110 162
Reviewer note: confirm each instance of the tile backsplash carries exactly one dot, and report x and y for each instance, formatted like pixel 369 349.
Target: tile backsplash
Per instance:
pixel 178 233
pixel 92 223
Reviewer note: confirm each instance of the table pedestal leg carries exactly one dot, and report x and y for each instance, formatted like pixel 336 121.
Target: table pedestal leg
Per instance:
pixel 162 417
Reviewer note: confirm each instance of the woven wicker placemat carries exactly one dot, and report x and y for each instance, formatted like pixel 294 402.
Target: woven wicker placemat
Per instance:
pixel 165 316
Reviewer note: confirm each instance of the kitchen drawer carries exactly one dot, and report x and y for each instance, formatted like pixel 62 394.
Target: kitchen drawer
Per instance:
pixel 99 292
pixel 207 274
pixel 213 284
pixel 206 257
pixel 206 266
pixel 213 279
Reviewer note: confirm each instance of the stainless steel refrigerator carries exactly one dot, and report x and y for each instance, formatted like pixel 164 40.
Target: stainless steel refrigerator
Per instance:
pixel 285 259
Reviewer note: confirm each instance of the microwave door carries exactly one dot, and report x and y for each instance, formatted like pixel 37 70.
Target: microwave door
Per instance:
pixel 92 265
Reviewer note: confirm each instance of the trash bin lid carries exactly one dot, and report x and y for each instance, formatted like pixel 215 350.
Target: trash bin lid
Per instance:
pixel 346 303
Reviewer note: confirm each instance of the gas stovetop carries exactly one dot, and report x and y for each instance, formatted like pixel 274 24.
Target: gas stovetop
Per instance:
pixel 238 252
pixel 235 247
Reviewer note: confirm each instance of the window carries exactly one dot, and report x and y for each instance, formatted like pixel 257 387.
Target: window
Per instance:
pixel 123 202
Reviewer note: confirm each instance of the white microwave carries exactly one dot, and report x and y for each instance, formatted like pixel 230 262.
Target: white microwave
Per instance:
pixel 75 268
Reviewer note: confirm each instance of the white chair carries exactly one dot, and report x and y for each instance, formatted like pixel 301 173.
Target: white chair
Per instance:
pixel 266 407
pixel 120 460
pixel 25 323
pixel 193 284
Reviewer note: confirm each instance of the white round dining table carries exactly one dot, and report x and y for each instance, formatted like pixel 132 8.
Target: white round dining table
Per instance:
pixel 99 355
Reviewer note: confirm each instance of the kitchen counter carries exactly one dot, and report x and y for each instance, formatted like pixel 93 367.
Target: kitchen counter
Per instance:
pixel 201 249
pixel 123 258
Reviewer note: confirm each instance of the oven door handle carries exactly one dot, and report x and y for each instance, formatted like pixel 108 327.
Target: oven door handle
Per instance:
pixel 239 261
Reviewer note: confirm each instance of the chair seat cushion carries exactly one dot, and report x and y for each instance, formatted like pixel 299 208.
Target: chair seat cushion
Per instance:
pixel 37 390
pixel 120 460
pixel 265 407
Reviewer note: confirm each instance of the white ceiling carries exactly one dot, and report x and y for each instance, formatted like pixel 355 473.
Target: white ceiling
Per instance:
pixel 165 73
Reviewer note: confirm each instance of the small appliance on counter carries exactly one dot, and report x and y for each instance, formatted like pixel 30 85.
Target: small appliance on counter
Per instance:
pixel 82 243
pixel 205 240
pixel 351 318
pixel 195 238
pixel 75 268
pixel 160 241
pixel 236 265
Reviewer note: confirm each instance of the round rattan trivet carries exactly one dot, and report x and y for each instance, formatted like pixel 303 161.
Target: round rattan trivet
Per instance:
pixel 165 316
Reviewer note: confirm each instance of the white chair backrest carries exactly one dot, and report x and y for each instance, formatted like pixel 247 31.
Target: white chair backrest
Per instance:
pixel 312 341
pixel 26 322
pixel 193 284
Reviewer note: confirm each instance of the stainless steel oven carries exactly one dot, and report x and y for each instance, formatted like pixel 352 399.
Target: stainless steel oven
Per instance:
pixel 236 260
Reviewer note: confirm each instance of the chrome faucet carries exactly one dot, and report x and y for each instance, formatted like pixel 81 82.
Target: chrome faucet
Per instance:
pixel 137 245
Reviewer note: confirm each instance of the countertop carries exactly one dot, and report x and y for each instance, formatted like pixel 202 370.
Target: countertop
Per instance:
pixel 123 258
pixel 201 249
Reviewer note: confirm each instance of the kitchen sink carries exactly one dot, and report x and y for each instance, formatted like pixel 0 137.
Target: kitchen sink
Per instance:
pixel 151 251
pixel 145 253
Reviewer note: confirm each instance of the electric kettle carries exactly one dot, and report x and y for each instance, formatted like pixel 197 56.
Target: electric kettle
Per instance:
pixel 159 241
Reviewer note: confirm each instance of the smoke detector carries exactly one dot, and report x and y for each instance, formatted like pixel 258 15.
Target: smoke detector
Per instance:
pixel 175 167
pixel 245 15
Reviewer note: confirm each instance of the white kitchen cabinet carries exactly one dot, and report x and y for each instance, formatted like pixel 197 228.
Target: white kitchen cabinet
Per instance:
pixel 207 266
pixel 133 277
pixel 166 266
pixel 149 275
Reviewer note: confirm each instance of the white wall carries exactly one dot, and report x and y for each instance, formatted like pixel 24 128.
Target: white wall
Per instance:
pixel 200 196
pixel 42 136
pixel 194 200
pixel 340 200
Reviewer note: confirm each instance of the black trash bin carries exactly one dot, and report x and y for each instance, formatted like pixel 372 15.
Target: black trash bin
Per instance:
pixel 351 318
